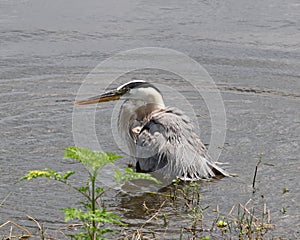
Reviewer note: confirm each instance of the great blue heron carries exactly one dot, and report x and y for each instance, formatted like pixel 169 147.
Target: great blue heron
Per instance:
pixel 161 138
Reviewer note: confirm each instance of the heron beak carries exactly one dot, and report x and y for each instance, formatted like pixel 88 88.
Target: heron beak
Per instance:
pixel 105 97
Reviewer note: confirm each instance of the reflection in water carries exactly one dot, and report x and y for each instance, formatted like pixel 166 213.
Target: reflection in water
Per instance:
pixel 178 196
pixel 178 209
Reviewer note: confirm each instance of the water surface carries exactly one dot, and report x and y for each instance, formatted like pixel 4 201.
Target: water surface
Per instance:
pixel 250 48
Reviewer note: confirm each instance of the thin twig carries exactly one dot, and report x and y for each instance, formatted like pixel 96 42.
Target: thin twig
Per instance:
pixel 3 201
pixel 36 222
pixel 255 172
pixel 231 210
pixel 154 215
pixel 16 225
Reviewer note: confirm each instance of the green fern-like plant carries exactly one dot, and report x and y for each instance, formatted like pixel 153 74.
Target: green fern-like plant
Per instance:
pixel 91 214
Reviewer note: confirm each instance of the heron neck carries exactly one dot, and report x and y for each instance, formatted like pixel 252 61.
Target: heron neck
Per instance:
pixel 155 99
pixel 150 101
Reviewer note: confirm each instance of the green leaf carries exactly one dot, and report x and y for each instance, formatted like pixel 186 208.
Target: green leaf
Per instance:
pixel 103 231
pixel 87 205
pixel 129 174
pixel 35 174
pixel 72 213
pixel 100 190
pixel 47 173
pixel 101 215
pixel 90 158
pixel 83 189
pixel 68 174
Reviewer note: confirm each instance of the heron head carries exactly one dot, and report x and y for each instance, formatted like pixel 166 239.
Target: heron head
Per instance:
pixel 135 90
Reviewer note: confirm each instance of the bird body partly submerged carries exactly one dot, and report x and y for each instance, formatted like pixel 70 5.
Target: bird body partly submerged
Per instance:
pixel 160 138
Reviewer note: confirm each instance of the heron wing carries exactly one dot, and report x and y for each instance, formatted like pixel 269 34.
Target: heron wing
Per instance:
pixel 167 143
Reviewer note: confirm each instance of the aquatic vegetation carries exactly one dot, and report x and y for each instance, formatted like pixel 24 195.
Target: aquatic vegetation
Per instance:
pixel 243 221
pixel 91 220
pixel 92 215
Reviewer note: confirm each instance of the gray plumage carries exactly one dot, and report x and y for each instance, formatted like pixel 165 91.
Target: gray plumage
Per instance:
pixel 166 143
pixel 160 138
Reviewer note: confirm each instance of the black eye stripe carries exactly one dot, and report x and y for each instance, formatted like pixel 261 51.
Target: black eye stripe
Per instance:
pixel 132 85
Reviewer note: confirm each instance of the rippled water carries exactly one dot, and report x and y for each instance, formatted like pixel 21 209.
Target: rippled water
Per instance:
pixel 250 49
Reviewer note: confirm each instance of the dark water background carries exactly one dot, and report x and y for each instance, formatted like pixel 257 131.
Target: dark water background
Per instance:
pixel 250 48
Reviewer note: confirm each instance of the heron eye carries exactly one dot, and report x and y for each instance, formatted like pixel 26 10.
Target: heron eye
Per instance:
pixel 123 91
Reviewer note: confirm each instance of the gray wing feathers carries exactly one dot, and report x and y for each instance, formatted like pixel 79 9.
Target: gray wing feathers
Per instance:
pixel 168 144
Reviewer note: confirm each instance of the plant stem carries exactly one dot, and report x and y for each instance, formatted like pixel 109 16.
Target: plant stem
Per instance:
pixel 93 180
pixel 255 172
